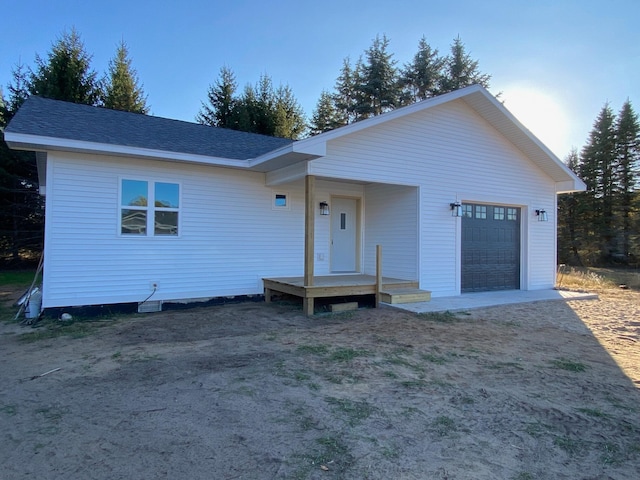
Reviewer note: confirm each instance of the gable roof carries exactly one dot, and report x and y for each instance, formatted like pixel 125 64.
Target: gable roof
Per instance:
pixel 43 124
pixel 82 124
pixel 484 104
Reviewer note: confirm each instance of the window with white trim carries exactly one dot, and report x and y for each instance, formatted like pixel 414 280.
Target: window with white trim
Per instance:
pixel 280 201
pixel 149 208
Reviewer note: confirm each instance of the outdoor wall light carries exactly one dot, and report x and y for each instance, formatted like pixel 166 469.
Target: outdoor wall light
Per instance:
pixel 542 216
pixel 324 208
pixel 456 209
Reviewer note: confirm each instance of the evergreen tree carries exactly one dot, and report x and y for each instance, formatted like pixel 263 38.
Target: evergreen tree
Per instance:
pixel 460 70
pixel 325 116
pixel 21 207
pixel 221 108
pixel 625 175
pixel 597 170
pixel 66 74
pixel 260 109
pixel 288 114
pixel 379 88
pixel 121 90
pixel 18 91
pixel 345 97
pixel 422 77
pixel 569 205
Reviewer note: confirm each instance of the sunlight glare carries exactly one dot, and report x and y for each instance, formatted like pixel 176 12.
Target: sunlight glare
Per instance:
pixel 541 114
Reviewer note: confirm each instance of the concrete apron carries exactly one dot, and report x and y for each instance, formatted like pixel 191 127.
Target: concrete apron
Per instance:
pixel 469 301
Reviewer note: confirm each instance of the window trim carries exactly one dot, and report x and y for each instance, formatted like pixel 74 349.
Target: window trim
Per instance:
pixel 274 197
pixel 151 208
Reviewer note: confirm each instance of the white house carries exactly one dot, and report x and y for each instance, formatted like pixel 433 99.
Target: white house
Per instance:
pixel 461 196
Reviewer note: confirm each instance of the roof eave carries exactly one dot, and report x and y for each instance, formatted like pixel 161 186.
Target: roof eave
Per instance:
pixel 21 141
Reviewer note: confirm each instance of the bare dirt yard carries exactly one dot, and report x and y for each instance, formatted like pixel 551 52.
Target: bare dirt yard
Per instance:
pixel 547 390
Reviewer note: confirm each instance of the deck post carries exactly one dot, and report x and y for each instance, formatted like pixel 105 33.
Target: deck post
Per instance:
pixel 309 238
pixel 378 274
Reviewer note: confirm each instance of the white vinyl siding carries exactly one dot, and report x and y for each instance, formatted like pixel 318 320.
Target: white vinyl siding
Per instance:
pixel 230 237
pixel 391 219
pixel 453 154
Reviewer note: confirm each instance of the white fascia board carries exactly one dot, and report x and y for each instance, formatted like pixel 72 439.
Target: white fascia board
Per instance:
pixel 571 186
pixel 22 141
pixel 288 174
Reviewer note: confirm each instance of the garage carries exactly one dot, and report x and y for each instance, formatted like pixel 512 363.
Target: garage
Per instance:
pixel 490 248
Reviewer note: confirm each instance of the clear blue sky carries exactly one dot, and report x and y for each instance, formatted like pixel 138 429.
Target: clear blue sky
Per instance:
pixel 556 62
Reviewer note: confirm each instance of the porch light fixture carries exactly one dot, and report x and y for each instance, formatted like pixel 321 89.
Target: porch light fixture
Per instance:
pixel 542 216
pixel 456 209
pixel 324 208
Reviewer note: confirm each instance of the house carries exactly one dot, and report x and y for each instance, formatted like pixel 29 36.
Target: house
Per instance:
pixel 460 195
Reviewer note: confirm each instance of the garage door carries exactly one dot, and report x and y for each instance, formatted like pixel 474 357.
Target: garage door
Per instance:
pixel 490 248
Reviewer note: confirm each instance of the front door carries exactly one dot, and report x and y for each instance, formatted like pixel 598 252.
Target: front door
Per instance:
pixel 344 234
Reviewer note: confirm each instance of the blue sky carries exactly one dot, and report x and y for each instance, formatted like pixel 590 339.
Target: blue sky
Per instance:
pixel 556 62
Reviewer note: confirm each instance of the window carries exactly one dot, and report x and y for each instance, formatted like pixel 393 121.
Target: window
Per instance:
pixel 280 201
pixel 512 213
pixel 498 213
pixel 467 211
pixel 481 211
pixel 143 202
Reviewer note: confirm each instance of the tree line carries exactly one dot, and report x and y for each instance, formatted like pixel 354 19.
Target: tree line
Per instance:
pixel 601 226
pixel 372 86
pixel 64 74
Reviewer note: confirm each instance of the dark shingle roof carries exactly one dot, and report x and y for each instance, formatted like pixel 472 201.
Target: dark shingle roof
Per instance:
pixel 57 119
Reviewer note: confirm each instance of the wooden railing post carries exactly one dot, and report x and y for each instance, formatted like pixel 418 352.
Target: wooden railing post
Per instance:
pixel 378 274
pixel 309 238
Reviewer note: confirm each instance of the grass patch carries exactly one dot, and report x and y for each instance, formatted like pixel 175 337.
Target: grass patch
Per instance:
pixel 355 412
pixel 593 412
pixel 444 426
pixel 53 329
pixel 314 349
pixel 9 410
pixel 569 365
pixel 413 383
pixel 569 445
pixel 437 359
pixel 17 278
pixel 347 354
pixel 331 456
pixel 403 362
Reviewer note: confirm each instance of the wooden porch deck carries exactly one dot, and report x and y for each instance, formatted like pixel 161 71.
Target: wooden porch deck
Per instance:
pixel 332 286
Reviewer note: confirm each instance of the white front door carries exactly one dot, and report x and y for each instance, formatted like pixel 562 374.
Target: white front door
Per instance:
pixel 344 234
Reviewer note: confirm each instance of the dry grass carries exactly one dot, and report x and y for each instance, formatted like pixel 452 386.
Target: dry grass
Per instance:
pixel 591 278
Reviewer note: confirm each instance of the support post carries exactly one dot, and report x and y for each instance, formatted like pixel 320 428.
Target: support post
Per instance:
pixel 309 238
pixel 378 274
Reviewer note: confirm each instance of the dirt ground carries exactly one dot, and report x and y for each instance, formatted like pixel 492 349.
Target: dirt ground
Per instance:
pixel 547 390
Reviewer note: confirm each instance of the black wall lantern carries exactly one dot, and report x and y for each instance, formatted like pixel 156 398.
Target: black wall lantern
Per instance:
pixel 456 209
pixel 542 215
pixel 324 208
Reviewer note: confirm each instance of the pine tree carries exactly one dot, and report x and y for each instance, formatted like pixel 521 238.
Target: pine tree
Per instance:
pixel 288 114
pixel 422 77
pixel 221 108
pixel 597 170
pixel 379 87
pixel 325 116
pixel 121 90
pixel 21 207
pixel 345 97
pixel 569 206
pixel 460 70
pixel 66 74
pixel 18 91
pixel 625 173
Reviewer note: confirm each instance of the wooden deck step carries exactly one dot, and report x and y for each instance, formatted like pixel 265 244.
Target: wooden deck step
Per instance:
pixel 404 295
